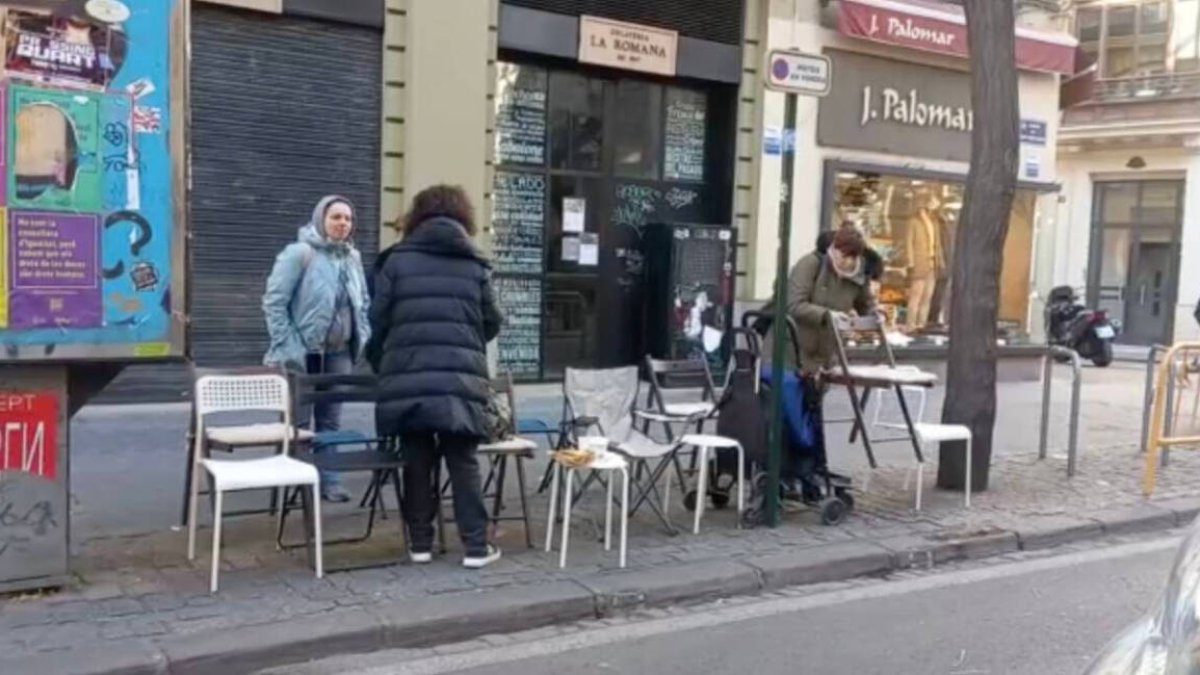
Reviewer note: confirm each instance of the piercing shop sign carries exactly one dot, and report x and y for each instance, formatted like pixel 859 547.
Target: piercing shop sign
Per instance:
pixel 91 231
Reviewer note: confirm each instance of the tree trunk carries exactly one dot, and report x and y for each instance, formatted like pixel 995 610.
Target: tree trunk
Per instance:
pixel 971 376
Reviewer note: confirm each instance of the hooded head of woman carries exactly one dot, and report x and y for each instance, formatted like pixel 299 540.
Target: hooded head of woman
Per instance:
pixel 333 219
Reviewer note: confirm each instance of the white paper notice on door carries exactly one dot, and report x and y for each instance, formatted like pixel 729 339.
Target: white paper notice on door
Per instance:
pixel 589 249
pixel 570 249
pixel 574 214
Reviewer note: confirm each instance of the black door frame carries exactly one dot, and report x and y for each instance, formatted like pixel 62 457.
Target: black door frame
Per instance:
pixel 1136 228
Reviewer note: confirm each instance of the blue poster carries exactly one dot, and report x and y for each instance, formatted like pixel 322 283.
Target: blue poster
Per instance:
pixel 88 185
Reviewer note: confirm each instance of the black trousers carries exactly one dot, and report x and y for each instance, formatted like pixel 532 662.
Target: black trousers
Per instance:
pixel 422 452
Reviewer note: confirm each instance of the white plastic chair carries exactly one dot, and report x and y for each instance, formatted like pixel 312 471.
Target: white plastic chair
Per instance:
pixel 927 434
pixel 606 462
pixel 236 393
pixel 703 444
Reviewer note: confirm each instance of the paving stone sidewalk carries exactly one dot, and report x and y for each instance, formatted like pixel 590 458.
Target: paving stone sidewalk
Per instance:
pixel 139 606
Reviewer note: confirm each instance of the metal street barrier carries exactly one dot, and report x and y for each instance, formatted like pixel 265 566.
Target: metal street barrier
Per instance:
pixel 1160 437
pixel 1076 384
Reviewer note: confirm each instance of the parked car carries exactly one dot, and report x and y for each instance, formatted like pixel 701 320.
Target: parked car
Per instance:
pixel 1166 640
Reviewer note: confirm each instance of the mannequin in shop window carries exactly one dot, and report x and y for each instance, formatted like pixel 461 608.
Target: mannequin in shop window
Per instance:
pixel 926 258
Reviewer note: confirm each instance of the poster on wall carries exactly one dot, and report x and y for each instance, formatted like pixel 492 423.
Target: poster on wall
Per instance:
pixel 519 347
pixel 88 233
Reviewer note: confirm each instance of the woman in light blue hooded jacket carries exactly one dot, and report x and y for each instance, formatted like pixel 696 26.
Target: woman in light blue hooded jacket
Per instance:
pixel 316 307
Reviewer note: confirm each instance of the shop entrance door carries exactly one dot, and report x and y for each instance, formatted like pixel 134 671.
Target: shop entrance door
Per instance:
pixel 1146 307
pixel 1134 257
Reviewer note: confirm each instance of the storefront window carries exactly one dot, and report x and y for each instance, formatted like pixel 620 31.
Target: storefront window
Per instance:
pixel 576 121
pixel 912 222
pixel 637 127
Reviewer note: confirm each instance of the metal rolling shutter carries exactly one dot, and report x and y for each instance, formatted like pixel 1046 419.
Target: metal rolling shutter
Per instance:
pixel 284 111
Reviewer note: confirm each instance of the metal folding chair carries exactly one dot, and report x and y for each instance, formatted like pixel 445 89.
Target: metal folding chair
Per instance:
pixel 882 376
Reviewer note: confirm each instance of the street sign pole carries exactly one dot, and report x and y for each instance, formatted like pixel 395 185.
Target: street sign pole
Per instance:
pixel 794 74
pixel 779 321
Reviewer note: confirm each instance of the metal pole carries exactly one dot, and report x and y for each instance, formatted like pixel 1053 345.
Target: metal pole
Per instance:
pixel 1047 376
pixel 1076 385
pixel 1148 399
pixel 779 322
pixel 1169 422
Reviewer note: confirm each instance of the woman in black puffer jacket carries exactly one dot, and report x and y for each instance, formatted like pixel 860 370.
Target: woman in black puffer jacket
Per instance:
pixel 432 315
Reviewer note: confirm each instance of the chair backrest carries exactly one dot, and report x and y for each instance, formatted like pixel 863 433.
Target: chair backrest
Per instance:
pixel 267 392
pixel 607 395
pixel 665 375
pixel 310 390
pixel 862 324
pixel 503 385
pixel 894 418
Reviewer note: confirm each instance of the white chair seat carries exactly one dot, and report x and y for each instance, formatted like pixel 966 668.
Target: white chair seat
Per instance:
pixel 689 409
pixel 936 433
pixel 251 474
pixel 609 461
pixel 709 441
pixel 513 445
pixel 256 434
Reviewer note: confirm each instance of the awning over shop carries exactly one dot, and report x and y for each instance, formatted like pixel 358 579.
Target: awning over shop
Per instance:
pixel 942 28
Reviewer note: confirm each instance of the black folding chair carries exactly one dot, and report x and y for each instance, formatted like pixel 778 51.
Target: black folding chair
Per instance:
pixel 381 458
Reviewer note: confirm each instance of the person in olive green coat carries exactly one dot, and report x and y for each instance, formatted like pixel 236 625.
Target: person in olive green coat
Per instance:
pixel 822 287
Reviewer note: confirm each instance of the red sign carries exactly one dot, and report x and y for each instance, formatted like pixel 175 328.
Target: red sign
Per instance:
pixel 29 433
pixel 943 30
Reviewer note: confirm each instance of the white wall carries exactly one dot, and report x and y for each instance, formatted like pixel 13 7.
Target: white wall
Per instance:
pixel 795 24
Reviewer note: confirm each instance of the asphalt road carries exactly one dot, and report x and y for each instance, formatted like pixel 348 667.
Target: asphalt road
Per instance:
pixel 1038 616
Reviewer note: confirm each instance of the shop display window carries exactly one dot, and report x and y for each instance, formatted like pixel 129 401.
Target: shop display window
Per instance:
pixel 913 222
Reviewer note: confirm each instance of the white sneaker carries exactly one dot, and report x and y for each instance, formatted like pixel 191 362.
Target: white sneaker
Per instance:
pixel 420 557
pixel 480 562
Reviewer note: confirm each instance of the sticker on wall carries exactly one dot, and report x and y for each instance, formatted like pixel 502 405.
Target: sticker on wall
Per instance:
pixel 772 141
pixel 53 155
pixel 29 443
pixel 55 278
pixel 3 271
pixel 67 48
pixel 1033 167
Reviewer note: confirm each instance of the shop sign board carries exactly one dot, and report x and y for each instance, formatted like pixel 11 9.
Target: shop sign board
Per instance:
pixel 799 73
pixel 628 46
pixel 897 108
pixel 92 157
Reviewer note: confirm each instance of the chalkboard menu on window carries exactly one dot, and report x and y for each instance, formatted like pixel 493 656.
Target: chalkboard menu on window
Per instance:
pixel 684 136
pixel 638 205
pixel 520 343
pixel 518 222
pixel 520 114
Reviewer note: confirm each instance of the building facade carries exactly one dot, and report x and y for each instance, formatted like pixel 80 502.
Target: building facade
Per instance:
pixel 888 150
pixel 1129 162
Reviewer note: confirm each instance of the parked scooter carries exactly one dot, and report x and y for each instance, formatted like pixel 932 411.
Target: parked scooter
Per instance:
pixel 1087 331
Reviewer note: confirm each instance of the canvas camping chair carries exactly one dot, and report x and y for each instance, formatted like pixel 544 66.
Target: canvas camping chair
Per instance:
pixel 604 402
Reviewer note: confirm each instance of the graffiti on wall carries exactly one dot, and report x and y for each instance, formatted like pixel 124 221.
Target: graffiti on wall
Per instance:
pixel 86 212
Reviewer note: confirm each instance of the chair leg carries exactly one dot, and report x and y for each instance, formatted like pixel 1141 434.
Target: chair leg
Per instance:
pixel 216 545
pixel 194 501
pixel 555 476
pixel 701 489
pixel 967 484
pixel 608 515
pixel 920 482
pixel 316 516
pixel 566 529
pixel 524 501
pixel 189 476
pixel 741 478
pixel 624 514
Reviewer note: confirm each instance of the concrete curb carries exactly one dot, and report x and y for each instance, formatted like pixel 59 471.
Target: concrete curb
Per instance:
pixel 444 619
